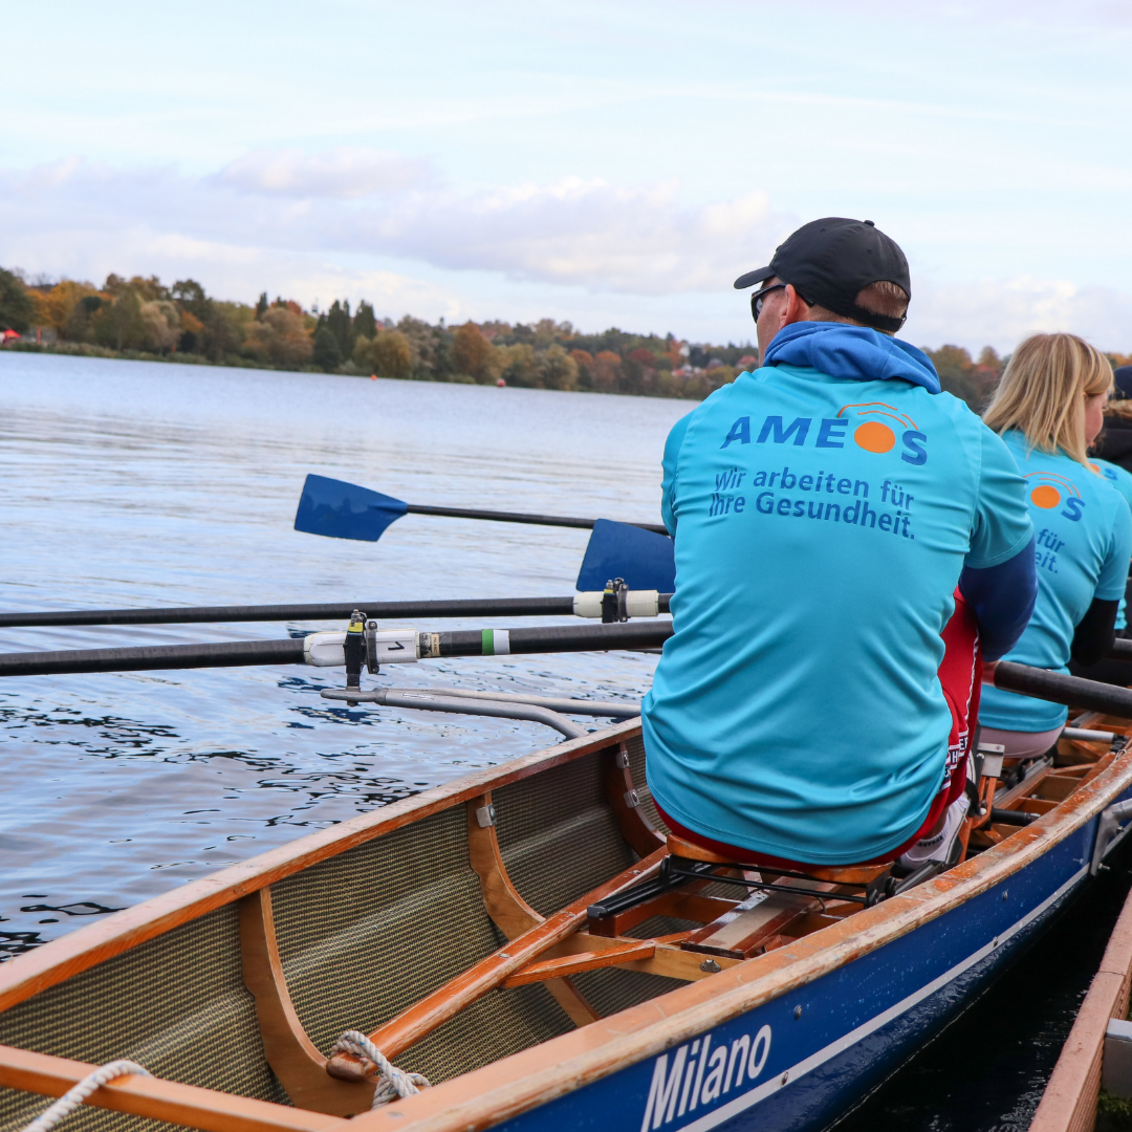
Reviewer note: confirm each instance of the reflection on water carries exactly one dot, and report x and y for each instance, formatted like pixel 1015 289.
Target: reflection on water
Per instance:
pixel 133 484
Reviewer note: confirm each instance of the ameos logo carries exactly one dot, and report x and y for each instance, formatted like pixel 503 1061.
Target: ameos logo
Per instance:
pixel 1047 491
pixel 681 1085
pixel 872 426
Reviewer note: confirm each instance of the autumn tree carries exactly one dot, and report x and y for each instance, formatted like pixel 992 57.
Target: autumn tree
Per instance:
pixel 559 370
pixel 474 355
pixel 56 308
pixel 390 355
pixel 425 342
pixel 16 306
pixel 162 326
pixel 605 372
pixel 279 337
pixel 521 365
pixel 119 323
pixel 209 327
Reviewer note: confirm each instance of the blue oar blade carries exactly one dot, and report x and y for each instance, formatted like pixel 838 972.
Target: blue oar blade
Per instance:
pixel 617 550
pixel 336 509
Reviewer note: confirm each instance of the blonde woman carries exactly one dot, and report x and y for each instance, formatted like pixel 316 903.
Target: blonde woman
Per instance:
pixel 1049 408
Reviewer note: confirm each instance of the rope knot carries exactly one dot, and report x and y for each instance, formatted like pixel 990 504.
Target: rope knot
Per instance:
pixel 75 1096
pixel 392 1082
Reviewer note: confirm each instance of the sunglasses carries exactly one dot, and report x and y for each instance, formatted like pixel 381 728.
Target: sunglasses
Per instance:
pixel 759 297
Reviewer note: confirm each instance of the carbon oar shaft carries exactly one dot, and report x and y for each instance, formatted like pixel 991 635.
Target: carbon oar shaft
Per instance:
pixel 335 611
pixel 1121 650
pixel 219 654
pixel 520 517
pixel 1061 689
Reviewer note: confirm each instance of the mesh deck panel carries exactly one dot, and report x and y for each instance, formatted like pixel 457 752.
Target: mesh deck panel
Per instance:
pixel 176 1005
pixel 636 747
pixel 610 990
pixel 364 935
pixel 558 834
pixel 559 839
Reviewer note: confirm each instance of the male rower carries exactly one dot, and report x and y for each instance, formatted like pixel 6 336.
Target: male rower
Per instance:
pixel 812 705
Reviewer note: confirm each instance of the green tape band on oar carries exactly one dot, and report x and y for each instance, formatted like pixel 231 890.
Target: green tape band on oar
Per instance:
pixel 337 509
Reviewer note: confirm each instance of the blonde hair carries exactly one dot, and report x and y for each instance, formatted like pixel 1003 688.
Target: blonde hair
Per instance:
pixel 1043 391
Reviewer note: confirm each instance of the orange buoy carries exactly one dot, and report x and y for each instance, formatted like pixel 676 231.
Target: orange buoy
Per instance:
pixel 500 384
pixel 373 377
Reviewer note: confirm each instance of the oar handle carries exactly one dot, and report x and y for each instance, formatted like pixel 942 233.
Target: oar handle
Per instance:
pixel 553 638
pixel 1058 688
pixel 1121 650
pixel 520 517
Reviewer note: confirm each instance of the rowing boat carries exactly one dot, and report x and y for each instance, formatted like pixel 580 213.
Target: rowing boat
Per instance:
pixel 1070 1100
pixel 530 940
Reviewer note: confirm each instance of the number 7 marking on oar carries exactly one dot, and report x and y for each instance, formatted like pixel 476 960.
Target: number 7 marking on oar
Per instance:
pixel 641 553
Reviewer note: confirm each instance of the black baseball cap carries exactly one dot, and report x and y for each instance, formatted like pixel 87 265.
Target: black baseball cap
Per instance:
pixel 830 261
pixel 1122 377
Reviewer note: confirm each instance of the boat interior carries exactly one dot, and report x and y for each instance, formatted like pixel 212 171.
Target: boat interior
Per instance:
pixel 453 929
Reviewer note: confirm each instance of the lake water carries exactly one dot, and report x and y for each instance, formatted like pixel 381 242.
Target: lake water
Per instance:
pixel 135 484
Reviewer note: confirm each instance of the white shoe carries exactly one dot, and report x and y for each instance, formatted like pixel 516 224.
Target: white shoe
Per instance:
pixel 938 847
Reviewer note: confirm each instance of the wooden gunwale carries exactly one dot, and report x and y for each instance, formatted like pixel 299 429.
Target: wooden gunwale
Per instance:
pixel 518 1083
pixel 61 959
pixel 1069 1103
pixel 509 1087
pixel 160 1099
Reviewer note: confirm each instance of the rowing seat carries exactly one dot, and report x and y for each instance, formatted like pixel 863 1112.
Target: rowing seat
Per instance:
pixel 829 874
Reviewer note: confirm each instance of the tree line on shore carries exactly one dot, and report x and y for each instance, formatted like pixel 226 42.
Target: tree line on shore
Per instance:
pixel 144 318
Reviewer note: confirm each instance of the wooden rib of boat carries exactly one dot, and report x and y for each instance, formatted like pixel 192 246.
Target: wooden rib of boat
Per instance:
pixel 454 928
pixel 1069 1103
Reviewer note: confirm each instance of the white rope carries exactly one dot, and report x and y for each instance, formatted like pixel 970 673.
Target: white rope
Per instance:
pixel 75 1096
pixel 392 1082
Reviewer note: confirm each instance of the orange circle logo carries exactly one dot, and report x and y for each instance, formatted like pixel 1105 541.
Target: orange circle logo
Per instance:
pixel 873 436
pixel 1045 496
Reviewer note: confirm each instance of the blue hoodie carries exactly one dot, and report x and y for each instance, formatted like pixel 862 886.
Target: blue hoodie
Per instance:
pixel 856 352
pixel 822 518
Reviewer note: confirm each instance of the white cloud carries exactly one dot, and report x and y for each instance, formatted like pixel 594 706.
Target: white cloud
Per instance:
pixel 347 173
pixel 573 232
pixel 582 233
pixel 1001 312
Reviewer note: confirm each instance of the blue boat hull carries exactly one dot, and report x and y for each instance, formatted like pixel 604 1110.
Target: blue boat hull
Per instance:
pixel 798 1061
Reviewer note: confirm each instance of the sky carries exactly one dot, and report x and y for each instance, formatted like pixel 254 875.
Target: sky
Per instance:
pixel 610 164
